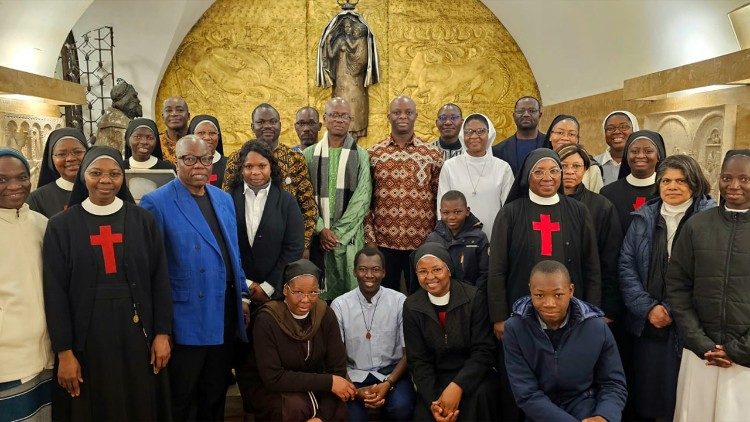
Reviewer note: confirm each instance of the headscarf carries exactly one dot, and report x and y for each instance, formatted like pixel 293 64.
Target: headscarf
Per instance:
pixel 143 122
pixel 559 118
pixel 732 153
pixel 569 150
pixel 520 187
pixel 280 312
pixel 491 133
pixel 80 192
pixel 10 152
pixel 631 116
pixel 438 251
pixel 47 171
pixel 655 139
pixel 195 121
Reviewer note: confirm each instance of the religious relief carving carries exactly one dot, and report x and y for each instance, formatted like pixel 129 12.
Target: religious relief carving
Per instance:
pixel 348 61
pixel 27 133
pixel 125 107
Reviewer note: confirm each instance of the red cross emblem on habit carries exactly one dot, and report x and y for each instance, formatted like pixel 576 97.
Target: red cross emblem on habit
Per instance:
pixel 214 177
pixel 546 228
pixel 106 239
pixel 639 202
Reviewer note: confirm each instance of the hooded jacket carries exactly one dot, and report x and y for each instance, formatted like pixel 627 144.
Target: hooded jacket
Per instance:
pixel 469 250
pixel 582 378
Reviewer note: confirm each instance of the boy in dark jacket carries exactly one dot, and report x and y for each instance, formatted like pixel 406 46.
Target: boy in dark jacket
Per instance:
pixel 461 233
pixel 561 358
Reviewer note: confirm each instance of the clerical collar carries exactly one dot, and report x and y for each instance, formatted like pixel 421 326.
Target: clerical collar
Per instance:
pixel 110 209
pixel 540 200
pixel 634 181
pixel 217 157
pixel 64 184
pixel 265 187
pixel 733 210
pixel 672 210
pixel 142 164
pixel 439 300
pixel 544 325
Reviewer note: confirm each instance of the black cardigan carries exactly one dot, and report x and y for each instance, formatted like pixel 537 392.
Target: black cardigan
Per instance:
pixel 280 238
pixel 71 271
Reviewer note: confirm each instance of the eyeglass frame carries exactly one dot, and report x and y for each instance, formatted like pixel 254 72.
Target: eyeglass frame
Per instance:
pixel 202 159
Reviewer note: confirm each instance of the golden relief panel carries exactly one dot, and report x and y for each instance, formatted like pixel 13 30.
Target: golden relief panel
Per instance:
pixel 242 53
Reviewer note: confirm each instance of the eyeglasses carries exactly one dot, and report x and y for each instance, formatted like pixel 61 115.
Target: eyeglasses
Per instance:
pixel 146 137
pixel 301 295
pixel 570 134
pixel 479 132
pixel 622 127
pixel 575 166
pixel 398 113
pixel 98 175
pixel 304 123
pixel 76 153
pixel 190 160
pixel 338 116
pixel 453 118
pixel 435 271
pixel 541 174
pixel 522 111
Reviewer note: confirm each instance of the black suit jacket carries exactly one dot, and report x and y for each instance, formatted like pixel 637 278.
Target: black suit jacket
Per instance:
pixel 280 238
pixel 506 151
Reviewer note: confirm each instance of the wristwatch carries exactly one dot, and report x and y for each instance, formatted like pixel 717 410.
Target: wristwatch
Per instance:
pixel 389 383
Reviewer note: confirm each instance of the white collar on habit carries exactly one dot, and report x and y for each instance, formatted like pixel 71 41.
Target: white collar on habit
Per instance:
pixel 64 184
pixel 731 210
pixel 110 209
pixel 634 181
pixel 540 200
pixel 439 300
pixel 217 157
pixel 142 164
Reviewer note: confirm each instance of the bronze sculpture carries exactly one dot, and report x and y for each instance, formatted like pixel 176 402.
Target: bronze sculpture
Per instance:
pixel 125 107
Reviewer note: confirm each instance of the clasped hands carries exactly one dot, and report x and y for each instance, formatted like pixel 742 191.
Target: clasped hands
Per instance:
pixel 445 408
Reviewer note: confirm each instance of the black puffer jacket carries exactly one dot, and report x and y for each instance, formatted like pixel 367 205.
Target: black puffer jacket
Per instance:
pixel 708 283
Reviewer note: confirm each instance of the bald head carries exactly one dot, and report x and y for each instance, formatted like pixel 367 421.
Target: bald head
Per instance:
pixel 193 163
pixel 176 114
pixel 402 114
pixel 338 117
pixel 186 143
pixel 336 102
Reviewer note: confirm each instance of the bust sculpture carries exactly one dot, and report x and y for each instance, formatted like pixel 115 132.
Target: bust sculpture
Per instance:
pixel 113 123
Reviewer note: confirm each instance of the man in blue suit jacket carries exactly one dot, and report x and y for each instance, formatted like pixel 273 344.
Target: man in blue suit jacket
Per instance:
pixel 199 229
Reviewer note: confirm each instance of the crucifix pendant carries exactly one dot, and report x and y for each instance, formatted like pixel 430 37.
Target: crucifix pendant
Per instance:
pixel 368 336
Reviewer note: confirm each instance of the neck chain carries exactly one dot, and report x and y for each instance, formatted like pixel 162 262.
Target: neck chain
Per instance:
pixel 372 318
pixel 474 185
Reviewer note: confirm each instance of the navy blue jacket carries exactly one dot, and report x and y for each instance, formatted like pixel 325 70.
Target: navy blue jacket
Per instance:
pixel 506 150
pixel 469 250
pixel 635 261
pixel 582 378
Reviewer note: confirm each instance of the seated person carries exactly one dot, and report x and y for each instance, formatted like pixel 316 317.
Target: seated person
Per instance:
pixel 561 358
pixel 376 360
pixel 449 344
pixel 300 356
pixel 459 231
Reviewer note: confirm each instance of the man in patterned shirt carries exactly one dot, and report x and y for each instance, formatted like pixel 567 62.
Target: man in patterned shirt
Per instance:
pixel 295 179
pixel 176 116
pixel 405 173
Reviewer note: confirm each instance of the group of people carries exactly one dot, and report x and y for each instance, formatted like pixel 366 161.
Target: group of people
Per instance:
pixel 441 280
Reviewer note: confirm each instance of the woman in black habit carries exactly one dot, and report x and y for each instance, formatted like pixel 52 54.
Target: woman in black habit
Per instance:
pixel 62 157
pixel 207 128
pixel 143 147
pixel 107 300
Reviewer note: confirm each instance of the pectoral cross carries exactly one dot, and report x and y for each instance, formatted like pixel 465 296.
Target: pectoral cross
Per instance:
pixel 106 239
pixel 639 202
pixel 546 228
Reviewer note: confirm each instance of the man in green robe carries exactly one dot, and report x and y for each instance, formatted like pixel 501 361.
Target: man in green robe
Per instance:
pixel 340 175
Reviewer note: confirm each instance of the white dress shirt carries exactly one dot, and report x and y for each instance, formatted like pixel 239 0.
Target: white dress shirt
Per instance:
pixel 254 206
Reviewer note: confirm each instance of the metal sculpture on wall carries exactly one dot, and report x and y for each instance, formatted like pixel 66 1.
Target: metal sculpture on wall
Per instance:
pixel 240 54
pixel 348 61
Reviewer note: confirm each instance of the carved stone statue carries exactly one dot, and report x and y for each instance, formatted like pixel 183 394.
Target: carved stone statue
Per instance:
pixel 348 61
pixel 125 107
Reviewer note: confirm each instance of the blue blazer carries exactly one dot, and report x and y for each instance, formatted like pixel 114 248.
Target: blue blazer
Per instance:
pixel 196 267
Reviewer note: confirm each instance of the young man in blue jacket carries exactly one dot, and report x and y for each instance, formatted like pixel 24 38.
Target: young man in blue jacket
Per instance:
pixel 561 358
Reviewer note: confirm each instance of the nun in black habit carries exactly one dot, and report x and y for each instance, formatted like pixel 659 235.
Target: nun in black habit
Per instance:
pixel 449 343
pixel 143 147
pixel 207 128
pixel 107 300
pixel 62 157
pixel 636 182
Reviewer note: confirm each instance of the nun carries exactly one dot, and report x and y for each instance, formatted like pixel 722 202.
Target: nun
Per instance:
pixel 143 147
pixel 565 130
pixel 207 128
pixel 636 182
pixel 62 157
pixel 107 300
pixel 449 343
pixel 483 179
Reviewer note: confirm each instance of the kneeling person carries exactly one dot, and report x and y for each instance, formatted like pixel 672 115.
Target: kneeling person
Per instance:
pixel 376 362
pixel 575 372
